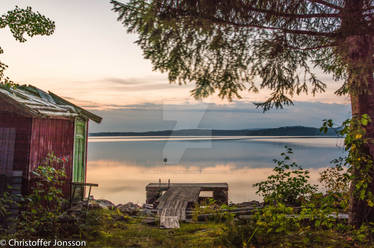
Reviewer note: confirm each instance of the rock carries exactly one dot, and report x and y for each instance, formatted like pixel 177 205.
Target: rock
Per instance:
pixel 94 205
pixel 67 218
pixel 77 208
pixel 129 208
pixel 148 212
pixel 105 204
pixel 148 206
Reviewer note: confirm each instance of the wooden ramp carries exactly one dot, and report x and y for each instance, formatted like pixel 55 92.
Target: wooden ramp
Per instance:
pixel 173 204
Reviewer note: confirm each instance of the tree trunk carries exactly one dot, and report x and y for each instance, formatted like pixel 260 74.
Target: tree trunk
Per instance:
pixel 361 82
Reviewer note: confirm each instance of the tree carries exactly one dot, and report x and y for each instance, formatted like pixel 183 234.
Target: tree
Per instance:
pixel 225 46
pixel 21 22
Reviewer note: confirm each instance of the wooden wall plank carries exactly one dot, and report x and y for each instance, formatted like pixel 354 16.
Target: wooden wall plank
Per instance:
pixel 22 126
pixel 57 136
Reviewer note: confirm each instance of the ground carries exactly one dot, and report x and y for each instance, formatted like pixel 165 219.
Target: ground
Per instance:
pixel 111 231
pixel 106 229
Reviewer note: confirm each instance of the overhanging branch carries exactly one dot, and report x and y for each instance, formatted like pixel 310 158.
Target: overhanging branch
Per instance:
pixel 249 25
pixel 293 15
pixel 327 4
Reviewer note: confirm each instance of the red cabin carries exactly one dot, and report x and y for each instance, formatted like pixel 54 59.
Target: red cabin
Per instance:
pixel 34 123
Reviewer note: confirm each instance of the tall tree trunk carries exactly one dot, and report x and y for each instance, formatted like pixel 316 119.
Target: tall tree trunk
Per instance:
pixel 360 67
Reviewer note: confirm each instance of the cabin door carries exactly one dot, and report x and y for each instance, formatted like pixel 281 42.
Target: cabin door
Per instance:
pixel 7 144
pixel 79 165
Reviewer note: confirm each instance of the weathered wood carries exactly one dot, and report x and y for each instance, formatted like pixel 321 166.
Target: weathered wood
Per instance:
pixel 7 145
pixel 220 190
pixel 173 204
pixel 202 186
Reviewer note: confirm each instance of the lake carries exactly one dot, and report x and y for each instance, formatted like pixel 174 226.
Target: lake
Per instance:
pixel 123 166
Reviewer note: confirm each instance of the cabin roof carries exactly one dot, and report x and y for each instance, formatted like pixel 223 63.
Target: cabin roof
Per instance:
pixel 33 101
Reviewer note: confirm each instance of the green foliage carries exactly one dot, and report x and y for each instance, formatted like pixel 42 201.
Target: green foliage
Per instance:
pixel 103 229
pixel 318 221
pixel 210 210
pixel 6 200
pixel 335 179
pixel 336 182
pixel 289 183
pixel 23 22
pixel 358 160
pixel 46 202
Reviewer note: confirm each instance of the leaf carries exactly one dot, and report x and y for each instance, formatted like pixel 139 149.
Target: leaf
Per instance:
pixel 365 119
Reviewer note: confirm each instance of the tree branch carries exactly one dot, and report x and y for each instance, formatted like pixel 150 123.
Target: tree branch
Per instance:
pixel 298 16
pixel 327 4
pixel 245 25
pixel 368 9
pixel 312 48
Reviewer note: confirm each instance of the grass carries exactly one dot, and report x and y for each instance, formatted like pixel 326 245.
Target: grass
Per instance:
pixel 103 229
pixel 130 232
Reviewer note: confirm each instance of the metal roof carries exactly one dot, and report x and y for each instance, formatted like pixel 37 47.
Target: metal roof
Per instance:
pixel 37 102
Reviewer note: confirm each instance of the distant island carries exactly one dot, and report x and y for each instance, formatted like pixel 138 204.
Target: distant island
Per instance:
pixel 281 131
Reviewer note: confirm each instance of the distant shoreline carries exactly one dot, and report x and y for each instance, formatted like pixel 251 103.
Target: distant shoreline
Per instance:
pixel 281 131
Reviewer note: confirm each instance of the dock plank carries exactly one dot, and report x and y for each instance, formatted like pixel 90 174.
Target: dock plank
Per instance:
pixel 173 204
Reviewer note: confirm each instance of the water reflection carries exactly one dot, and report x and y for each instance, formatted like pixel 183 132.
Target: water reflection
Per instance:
pixel 120 182
pixel 123 166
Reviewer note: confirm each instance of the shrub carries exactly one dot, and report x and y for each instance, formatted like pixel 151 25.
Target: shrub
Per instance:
pixel 46 202
pixel 289 183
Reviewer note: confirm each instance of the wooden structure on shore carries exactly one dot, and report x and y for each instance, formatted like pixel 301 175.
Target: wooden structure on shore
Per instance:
pixel 34 123
pixel 173 199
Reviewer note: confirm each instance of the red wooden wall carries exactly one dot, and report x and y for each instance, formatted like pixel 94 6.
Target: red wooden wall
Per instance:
pixel 7 145
pixel 22 126
pixel 52 135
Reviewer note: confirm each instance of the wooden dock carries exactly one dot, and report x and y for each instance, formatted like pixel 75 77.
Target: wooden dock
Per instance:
pixel 173 199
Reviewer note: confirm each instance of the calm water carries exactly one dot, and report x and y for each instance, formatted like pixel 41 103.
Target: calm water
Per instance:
pixel 123 166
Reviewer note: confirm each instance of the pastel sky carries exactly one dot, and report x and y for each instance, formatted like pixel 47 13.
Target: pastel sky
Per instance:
pixel 91 60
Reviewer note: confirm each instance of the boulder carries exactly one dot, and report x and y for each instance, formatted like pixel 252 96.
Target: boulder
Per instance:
pixel 104 204
pixel 130 208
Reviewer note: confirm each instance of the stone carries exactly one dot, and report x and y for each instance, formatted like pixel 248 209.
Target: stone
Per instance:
pixel 105 204
pixel 67 218
pixel 129 208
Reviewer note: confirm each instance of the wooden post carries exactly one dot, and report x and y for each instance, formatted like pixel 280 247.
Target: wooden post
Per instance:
pixel 221 196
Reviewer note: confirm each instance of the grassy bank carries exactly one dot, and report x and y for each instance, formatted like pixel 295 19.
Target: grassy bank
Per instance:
pixel 108 228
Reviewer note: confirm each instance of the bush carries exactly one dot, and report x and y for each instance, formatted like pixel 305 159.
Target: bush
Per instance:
pixel 46 202
pixel 289 183
pixel 210 210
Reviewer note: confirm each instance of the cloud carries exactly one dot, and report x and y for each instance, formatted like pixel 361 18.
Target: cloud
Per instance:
pixel 237 115
pixel 123 81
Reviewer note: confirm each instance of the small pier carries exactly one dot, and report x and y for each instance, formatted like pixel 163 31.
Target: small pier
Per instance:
pixel 173 199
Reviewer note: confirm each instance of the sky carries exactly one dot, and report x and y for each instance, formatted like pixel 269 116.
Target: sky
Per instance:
pixel 92 61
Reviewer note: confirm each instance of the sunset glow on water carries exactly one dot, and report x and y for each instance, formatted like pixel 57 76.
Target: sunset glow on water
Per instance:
pixel 123 166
